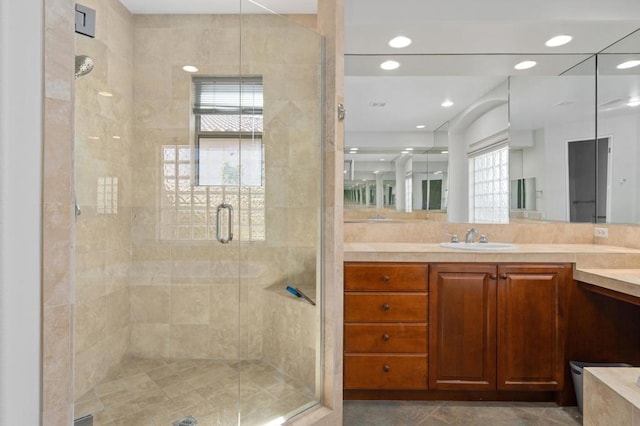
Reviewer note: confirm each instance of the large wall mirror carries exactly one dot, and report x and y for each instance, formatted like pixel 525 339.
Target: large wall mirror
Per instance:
pixel 619 125
pixel 467 138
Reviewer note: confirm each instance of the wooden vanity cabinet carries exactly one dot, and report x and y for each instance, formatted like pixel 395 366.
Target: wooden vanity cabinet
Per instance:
pixel 497 326
pixel 385 329
pixel 462 321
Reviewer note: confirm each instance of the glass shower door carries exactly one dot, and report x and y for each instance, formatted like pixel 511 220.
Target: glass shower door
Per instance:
pixel 197 169
pixel 279 219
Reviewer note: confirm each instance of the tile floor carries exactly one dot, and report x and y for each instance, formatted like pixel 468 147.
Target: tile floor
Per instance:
pixel 436 413
pixel 159 392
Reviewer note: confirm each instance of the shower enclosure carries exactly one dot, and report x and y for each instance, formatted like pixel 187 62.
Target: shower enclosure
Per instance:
pixel 199 197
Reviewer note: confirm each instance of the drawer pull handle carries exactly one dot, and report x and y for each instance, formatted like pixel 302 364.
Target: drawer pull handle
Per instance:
pixel 386 337
pixel 385 307
pixel 493 276
pixel 503 276
pixel 386 368
pixel 385 278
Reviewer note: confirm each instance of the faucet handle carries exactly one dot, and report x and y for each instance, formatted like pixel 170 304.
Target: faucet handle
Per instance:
pixel 483 239
pixel 454 237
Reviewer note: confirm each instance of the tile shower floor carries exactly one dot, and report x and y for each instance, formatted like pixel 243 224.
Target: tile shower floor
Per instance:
pixel 458 413
pixel 159 392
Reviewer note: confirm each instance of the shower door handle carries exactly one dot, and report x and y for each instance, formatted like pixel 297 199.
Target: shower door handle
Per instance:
pixel 227 240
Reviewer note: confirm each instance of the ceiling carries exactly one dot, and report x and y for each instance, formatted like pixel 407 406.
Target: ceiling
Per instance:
pixel 477 43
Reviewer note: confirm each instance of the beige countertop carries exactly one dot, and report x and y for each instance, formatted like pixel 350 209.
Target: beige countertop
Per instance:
pixel 598 401
pixel 612 267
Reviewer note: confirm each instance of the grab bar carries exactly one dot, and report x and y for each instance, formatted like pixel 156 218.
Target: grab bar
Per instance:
pixel 227 240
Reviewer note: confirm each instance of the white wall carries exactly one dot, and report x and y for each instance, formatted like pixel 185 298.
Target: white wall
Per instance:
pixel 547 162
pixel 533 165
pixel 21 94
pixel 625 154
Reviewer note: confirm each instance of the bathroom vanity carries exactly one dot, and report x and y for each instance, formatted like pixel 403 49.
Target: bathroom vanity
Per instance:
pixel 488 326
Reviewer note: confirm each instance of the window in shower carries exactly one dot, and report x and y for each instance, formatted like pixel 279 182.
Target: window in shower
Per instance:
pixel 227 165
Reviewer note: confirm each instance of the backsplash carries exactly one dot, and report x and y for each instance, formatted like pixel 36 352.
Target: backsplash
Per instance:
pixel 416 231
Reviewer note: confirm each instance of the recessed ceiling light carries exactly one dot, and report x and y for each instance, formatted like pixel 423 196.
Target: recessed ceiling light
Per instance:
pixel 389 65
pixel 445 152
pixel 382 159
pixel 115 137
pixel 633 102
pixel 420 126
pixel 95 138
pixel 525 65
pixel 628 64
pixel 447 103
pixel 409 149
pixel 376 172
pixel 105 94
pixel 190 68
pixel 404 152
pixel 400 42
pixel 558 40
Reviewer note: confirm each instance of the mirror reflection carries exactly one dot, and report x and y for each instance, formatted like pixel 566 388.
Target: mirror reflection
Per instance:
pixel 446 113
pixel 619 124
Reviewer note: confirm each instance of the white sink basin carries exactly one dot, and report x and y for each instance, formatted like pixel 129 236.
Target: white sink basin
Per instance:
pixel 479 246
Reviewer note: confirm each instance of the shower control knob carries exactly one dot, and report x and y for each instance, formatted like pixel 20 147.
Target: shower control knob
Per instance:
pixel 386 368
pixel 385 307
pixel 386 337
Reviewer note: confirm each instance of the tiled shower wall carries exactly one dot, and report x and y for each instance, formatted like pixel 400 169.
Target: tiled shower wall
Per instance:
pixel 143 290
pixel 190 293
pixel 103 187
pixel 59 228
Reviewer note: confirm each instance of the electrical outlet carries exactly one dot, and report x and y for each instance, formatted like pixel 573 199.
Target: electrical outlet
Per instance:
pixel 601 232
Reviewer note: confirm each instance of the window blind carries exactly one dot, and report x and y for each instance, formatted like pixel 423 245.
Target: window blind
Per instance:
pixel 227 95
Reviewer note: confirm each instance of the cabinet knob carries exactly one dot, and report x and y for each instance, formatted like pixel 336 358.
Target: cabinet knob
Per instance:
pixel 386 368
pixel 493 276
pixel 386 337
pixel 385 278
pixel 385 307
pixel 503 276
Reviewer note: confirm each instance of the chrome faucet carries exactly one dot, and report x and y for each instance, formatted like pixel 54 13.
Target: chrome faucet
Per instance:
pixel 470 234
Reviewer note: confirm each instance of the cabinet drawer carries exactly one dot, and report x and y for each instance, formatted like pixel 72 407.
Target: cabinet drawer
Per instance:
pixel 389 338
pixel 385 372
pixel 385 276
pixel 385 307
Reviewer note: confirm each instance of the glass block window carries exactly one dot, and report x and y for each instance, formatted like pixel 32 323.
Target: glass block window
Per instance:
pixel 107 191
pixel 489 195
pixel 188 212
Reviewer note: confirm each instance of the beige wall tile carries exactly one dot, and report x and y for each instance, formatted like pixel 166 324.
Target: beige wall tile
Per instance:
pixel 150 304
pixel 190 304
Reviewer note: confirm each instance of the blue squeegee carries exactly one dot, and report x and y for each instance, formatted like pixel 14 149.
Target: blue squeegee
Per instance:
pixel 296 292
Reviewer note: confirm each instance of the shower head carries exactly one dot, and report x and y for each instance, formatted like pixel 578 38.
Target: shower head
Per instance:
pixel 84 65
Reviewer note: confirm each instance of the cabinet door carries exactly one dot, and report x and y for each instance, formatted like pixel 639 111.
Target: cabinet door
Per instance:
pixel 462 326
pixel 531 327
